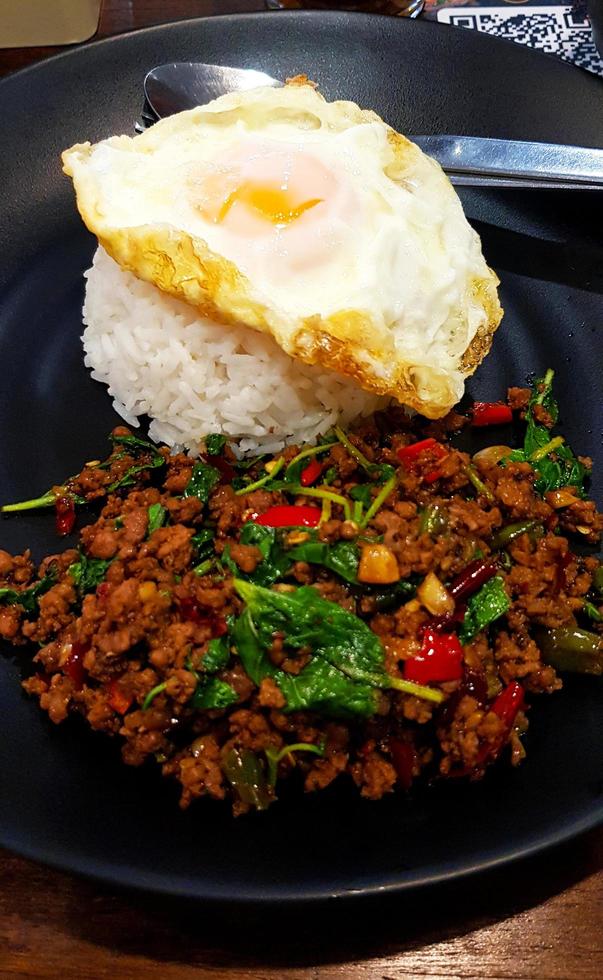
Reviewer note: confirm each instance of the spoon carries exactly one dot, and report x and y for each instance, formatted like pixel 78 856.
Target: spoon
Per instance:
pixel 468 160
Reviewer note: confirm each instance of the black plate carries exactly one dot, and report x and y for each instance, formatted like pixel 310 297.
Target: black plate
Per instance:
pixel 64 797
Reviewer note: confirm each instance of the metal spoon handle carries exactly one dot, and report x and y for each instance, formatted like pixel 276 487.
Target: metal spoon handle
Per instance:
pixel 541 164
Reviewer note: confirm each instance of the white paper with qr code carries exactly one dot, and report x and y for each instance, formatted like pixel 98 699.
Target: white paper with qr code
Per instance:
pixel 560 30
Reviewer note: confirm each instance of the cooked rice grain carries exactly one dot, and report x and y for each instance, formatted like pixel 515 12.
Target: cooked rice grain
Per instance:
pixel 193 376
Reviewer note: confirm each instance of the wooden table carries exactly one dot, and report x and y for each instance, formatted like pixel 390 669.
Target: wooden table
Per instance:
pixel 540 919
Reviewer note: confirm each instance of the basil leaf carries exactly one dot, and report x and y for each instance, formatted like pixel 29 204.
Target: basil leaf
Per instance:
pixel 203 543
pixel 487 605
pixel 564 471
pixel 341 558
pixel 318 687
pixel 275 561
pixel 203 480
pixel 157 516
pixel 213 693
pixel 134 444
pixel 28 598
pixel 560 468
pixel 362 492
pixel 136 447
pixel 87 573
pixel 382 472
pixel 214 444
pixel 216 656
pixel 294 471
pixel 591 611
pixel 347 664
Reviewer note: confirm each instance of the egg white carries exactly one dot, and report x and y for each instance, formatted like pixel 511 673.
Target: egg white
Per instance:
pixel 380 278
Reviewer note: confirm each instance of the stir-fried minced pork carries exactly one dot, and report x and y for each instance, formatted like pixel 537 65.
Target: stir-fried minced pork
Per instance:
pixel 380 605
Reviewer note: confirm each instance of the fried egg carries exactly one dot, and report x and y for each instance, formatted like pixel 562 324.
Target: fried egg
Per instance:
pixel 309 220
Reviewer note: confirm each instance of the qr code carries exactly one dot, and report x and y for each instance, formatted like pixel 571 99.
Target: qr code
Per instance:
pixel 564 31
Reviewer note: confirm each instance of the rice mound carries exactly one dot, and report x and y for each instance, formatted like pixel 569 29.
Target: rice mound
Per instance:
pixel 193 376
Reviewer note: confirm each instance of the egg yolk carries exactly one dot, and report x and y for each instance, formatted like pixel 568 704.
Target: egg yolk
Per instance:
pixel 273 208
pixel 275 204
pixel 262 188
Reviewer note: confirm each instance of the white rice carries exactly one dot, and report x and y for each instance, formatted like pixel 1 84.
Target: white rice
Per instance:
pixel 193 376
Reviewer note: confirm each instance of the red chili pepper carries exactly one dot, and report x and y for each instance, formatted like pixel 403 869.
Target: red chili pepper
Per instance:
pixel 74 665
pixel 285 515
pixel 473 684
pixel 409 456
pixel 446 622
pixel 119 701
pixel 190 611
pixel 64 515
pixel 310 474
pixel 506 706
pixel 562 562
pixel 491 413
pixel 432 476
pixel 367 747
pixel 404 759
pixel 102 591
pixel 476 574
pixel 224 468
pixel 219 626
pixel 440 659
pixel 508 703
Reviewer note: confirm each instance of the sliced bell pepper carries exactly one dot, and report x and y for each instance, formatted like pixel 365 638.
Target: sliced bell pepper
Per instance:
pixel 440 659
pixel 287 515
